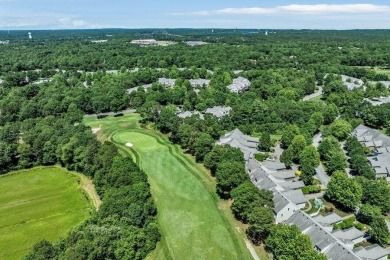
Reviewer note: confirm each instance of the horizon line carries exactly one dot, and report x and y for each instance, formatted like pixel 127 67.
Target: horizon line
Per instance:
pixel 192 28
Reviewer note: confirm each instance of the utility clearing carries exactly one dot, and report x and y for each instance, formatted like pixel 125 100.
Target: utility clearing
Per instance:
pixel 36 204
pixel 190 222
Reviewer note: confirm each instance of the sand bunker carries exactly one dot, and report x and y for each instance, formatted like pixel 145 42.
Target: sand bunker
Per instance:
pixel 95 130
pixel 129 145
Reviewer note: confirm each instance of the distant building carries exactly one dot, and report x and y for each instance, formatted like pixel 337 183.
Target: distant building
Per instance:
pixel 385 83
pixel 151 42
pixel 167 82
pixel 195 43
pixel 219 111
pixel 351 83
pixel 144 87
pixel 199 82
pixel 378 101
pixel 99 41
pixel 188 114
pixel 239 85
pixel 4 42
pixel 144 42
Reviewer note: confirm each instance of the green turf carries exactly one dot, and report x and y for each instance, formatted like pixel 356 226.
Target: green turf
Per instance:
pixel 36 204
pixel 191 224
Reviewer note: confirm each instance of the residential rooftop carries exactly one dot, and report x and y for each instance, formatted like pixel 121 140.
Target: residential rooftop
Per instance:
pixel 247 144
pixel 239 85
pixel 327 220
pixel 219 111
pixel 351 83
pixel 195 43
pixel 374 252
pixel 378 101
pixel 188 114
pixel 372 138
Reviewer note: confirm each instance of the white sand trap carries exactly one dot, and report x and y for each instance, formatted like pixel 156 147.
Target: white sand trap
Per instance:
pixel 95 130
pixel 129 145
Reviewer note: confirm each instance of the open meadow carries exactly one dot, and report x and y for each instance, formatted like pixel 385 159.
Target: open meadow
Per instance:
pixel 36 204
pixel 191 223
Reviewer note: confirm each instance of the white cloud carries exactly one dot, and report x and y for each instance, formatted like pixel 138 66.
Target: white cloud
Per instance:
pixel 297 9
pixel 253 10
pixel 338 8
pixel 54 21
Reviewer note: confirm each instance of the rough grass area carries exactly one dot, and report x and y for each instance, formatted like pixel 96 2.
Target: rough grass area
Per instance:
pixel 36 204
pixel 191 223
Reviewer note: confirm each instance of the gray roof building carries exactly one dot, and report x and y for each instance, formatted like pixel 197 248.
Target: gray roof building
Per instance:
pixel 351 83
pixel 284 175
pixel 385 83
pixel 145 87
pixel 247 144
pixel 349 236
pixel 195 43
pixel 274 166
pixel 199 82
pixel 372 138
pixel 321 238
pixel 187 114
pixel 167 82
pixel 239 85
pixel 378 101
pixel 374 252
pixel 328 220
pixel 219 111
pixel 292 185
pixel 295 196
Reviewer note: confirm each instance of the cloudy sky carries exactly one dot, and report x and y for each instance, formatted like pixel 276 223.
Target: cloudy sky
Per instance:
pixel 69 14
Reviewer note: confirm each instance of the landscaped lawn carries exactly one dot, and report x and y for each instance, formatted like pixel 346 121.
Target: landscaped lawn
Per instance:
pixel 41 203
pixel 192 225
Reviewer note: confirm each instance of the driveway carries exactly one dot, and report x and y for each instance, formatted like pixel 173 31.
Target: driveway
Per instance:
pixel 318 93
pixel 112 113
pixel 322 176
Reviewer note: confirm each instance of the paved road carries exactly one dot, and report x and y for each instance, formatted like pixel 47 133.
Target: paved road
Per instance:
pixel 318 93
pixel 252 250
pixel 278 151
pixel 112 113
pixel 317 140
pixel 322 176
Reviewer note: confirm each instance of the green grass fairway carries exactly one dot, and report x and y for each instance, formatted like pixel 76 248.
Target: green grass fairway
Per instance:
pixel 192 225
pixel 36 204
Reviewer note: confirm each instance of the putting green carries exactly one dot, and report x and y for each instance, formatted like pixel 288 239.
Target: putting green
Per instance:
pixel 189 219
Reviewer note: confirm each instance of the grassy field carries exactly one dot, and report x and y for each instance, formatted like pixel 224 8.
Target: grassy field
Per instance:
pixel 36 204
pixel 379 70
pixel 191 222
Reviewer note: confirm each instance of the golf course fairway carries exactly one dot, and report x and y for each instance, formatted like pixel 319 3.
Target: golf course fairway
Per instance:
pixel 36 204
pixel 191 225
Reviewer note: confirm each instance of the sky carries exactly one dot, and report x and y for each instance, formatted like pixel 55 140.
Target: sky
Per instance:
pixel 88 14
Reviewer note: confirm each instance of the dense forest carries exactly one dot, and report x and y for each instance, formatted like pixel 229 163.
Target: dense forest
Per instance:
pixel 49 83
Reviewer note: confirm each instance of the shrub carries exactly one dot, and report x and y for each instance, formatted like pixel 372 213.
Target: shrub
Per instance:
pixel 311 189
pixel 261 156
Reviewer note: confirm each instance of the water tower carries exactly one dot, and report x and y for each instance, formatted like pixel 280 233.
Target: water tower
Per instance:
pixel 29 35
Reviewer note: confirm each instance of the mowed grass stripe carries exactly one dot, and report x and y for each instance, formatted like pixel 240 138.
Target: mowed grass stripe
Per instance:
pixel 192 225
pixel 36 204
